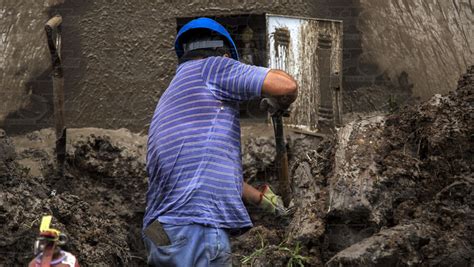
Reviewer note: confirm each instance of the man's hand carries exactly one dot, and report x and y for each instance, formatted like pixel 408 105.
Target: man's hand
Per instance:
pixel 272 203
pixel 273 106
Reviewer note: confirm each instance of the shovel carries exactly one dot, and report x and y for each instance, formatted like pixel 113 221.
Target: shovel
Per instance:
pixel 281 160
pixel 53 34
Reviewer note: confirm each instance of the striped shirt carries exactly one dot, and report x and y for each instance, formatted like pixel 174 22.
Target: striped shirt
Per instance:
pixel 194 159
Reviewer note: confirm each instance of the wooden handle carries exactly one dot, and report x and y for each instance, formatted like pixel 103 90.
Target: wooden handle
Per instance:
pixel 54 21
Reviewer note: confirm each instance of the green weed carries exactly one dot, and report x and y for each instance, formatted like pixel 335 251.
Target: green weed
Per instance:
pixel 296 259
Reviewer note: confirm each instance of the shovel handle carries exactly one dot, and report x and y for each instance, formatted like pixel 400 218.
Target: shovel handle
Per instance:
pixel 53 35
pixel 54 22
pixel 281 159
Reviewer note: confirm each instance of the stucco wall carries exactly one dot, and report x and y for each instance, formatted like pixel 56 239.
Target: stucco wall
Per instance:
pixel 432 41
pixel 24 56
pixel 399 50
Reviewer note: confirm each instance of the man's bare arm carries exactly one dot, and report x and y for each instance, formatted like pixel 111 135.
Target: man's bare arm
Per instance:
pixel 251 195
pixel 282 86
pixel 265 199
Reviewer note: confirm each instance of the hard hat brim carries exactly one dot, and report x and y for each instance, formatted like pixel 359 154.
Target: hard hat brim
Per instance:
pixel 209 24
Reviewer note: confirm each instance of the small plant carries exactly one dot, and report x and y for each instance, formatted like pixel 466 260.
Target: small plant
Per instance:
pixel 296 259
pixel 250 258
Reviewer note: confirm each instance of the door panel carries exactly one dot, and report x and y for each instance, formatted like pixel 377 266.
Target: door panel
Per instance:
pixel 311 51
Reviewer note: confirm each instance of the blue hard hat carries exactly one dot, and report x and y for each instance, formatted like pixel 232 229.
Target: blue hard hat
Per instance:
pixel 204 23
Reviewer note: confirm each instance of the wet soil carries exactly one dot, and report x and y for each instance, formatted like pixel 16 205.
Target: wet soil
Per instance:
pixel 389 190
pixel 99 204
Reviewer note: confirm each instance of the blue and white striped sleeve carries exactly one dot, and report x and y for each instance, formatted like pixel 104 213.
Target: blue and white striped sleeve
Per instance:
pixel 230 80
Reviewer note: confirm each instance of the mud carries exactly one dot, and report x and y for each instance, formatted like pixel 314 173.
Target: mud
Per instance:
pixel 391 190
pixel 386 190
pixel 279 241
pixel 99 204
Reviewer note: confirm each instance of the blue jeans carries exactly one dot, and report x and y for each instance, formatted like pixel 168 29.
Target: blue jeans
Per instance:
pixel 191 245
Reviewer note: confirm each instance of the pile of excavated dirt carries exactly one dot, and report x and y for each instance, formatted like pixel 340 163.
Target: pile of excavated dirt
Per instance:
pixel 394 190
pixel 403 186
pixel 386 190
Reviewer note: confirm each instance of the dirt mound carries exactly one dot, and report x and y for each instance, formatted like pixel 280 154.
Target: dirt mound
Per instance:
pixel 390 190
pixel 408 178
pixel 99 204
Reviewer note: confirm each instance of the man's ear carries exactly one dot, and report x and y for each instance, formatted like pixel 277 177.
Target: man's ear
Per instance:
pixel 226 55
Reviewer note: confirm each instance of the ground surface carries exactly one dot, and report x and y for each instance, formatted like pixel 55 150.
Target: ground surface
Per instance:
pixel 386 190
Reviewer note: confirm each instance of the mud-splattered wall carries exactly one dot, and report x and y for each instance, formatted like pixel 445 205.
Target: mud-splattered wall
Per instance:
pixel 396 49
pixel 23 57
pixel 118 55
pixel 432 41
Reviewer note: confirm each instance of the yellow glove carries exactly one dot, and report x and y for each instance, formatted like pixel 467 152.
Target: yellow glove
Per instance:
pixel 270 202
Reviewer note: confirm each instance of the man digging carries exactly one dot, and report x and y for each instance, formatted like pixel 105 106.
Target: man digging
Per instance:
pixel 194 200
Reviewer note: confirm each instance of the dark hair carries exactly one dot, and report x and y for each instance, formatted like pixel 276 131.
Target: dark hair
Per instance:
pixel 204 53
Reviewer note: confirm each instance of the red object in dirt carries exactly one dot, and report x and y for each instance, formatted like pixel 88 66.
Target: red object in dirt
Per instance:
pixel 49 234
